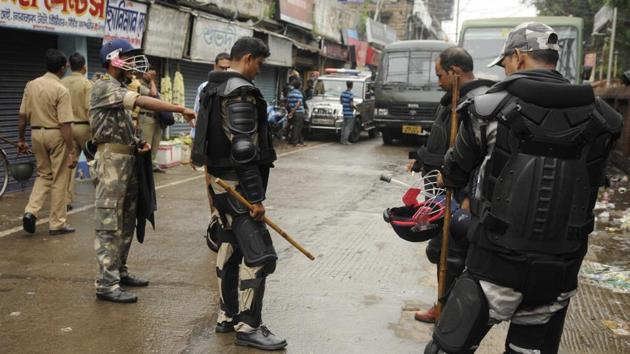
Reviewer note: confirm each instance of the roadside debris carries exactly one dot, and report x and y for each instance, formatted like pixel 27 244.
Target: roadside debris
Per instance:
pixel 610 277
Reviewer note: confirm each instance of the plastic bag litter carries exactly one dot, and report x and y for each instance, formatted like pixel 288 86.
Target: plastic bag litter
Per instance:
pixel 614 278
pixel 620 328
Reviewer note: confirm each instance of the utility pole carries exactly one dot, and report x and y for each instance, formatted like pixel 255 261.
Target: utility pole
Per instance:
pixel 612 47
pixel 456 21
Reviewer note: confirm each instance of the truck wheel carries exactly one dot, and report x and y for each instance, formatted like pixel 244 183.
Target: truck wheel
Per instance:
pixel 355 134
pixel 388 137
pixel 372 133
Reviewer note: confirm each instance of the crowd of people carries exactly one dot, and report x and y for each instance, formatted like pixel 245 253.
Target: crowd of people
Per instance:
pixel 529 158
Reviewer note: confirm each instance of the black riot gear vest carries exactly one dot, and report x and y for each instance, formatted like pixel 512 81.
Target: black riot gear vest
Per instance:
pixel 539 186
pixel 212 146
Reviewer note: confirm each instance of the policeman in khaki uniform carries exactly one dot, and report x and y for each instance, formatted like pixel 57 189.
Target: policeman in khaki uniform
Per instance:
pixel 80 89
pixel 117 144
pixel 46 105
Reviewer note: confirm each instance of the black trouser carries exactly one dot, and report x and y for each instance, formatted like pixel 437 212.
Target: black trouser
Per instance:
pixel 297 125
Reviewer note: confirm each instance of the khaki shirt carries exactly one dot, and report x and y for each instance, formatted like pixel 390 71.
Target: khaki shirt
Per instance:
pixel 46 102
pixel 80 90
pixel 110 107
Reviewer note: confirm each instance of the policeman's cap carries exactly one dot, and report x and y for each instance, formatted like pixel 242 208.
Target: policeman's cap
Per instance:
pixel 528 37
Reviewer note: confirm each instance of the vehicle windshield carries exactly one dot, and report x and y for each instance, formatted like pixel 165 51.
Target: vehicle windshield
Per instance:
pixel 485 44
pixel 412 68
pixel 334 88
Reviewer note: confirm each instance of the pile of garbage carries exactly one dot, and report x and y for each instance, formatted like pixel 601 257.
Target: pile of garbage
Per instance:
pixel 612 209
pixel 606 276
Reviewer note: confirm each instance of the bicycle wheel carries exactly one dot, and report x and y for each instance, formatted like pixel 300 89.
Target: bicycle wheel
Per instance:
pixel 4 172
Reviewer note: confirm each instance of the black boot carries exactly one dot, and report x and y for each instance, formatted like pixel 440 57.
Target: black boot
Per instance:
pixel 132 280
pixel 117 295
pixel 29 223
pixel 260 338
pixel 225 327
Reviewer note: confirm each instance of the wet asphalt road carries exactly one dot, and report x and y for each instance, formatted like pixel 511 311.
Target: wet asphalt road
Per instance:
pixel 358 296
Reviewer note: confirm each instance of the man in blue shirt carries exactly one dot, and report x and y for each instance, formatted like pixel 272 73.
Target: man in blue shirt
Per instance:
pixel 296 113
pixel 347 102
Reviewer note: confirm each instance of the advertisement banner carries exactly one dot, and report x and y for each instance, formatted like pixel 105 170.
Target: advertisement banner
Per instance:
pixel 167 31
pixel 335 51
pixel 360 50
pixel 281 51
pixel 297 12
pixel 330 18
pixel 85 17
pixel 125 20
pixel 379 33
pixel 212 37
pixel 250 8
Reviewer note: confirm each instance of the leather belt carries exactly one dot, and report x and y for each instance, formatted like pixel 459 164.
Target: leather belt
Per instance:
pixel 116 148
pixel 45 128
pixel 82 122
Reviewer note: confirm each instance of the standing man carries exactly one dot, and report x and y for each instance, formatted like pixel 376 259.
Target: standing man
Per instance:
pixel 541 146
pixel 296 112
pixel 47 107
pixel 80 89
pixel 117 145
pixel 239 150
pixel 221 63
pixel 148 121
pixel 348 107
pixel 452 61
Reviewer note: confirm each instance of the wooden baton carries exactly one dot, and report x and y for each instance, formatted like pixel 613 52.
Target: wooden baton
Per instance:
pixel 449 193
pixel 266 220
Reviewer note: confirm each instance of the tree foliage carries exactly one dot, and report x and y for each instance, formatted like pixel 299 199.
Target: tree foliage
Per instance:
pixel 586 9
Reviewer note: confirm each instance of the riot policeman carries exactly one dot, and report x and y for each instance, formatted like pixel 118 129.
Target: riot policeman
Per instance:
pixel 451 61
pixel 541 146
pixel 233 140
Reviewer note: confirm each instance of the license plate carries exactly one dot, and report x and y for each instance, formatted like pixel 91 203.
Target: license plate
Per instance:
pixel 412 129
pixel 321 121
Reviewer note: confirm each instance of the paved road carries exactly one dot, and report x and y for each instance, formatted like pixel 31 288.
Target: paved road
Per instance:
pixel 358 296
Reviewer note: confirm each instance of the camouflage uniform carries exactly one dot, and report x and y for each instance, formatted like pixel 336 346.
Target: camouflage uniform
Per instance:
pixel 117 188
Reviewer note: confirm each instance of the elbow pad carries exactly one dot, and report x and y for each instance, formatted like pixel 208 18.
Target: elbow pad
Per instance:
pixel 243 150
pixel 242 118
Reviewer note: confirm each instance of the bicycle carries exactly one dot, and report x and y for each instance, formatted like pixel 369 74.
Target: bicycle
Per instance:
pixel 21 172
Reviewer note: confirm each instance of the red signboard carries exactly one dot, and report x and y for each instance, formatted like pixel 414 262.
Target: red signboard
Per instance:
pixel 297 12
pixel 360 50
pixel 373 57
pixel 335 51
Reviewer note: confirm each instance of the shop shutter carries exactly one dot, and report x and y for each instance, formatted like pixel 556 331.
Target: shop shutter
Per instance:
pixel 22 60
pixel 267 82
pixel 93 58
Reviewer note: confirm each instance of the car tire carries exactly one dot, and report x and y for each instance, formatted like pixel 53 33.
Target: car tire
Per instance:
pixel 355 134
pixel 388 137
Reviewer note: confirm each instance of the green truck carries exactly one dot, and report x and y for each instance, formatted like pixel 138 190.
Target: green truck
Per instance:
pixel 407 93
pixel 484 39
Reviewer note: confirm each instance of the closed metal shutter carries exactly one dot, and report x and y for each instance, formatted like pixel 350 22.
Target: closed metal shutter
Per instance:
pixel 22 60
pixel 267 82
pixel 93 58
pixel 194 74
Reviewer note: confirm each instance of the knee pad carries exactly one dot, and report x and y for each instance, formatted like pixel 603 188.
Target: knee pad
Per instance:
pixel 542 338
pixel 433 249
pixel 464 320
pixel 254 241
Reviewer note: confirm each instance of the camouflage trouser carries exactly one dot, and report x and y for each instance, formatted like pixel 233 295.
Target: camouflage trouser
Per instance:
pixel 116 200
pixel 241 286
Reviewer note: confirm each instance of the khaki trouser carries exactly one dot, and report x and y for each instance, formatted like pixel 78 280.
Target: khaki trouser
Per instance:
pixel 151 132
pixel 50 153
pixel 81 133
pixel 116 203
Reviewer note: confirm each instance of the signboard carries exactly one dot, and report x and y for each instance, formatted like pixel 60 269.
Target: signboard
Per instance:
pixel 211 37
pixel 379 33
pixel 167 31
pixel 84 17
pixel 360 50
pixel 250 8
pixel 126 20
pixel 281 51
pixel 297 12
pixel 602 17
pixel 330 18
pixel 335 51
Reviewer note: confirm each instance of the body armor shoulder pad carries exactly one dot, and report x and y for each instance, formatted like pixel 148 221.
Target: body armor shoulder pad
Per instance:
pixel 614 120
pixel 488 105
pixel 477 91
pixel 234 84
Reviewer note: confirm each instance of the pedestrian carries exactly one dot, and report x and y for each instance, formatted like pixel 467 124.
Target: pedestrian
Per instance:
pixel 221 63
pixel 240 151
pixel 308 93
pixel 452 61
pixel 149 121
pixel 296 113
pixel 117 146
pixel 80 89
pixel 46 105
pixel 541 145
pixel 348 107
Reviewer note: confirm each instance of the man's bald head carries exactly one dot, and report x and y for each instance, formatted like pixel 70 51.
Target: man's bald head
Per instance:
pixel 456 56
